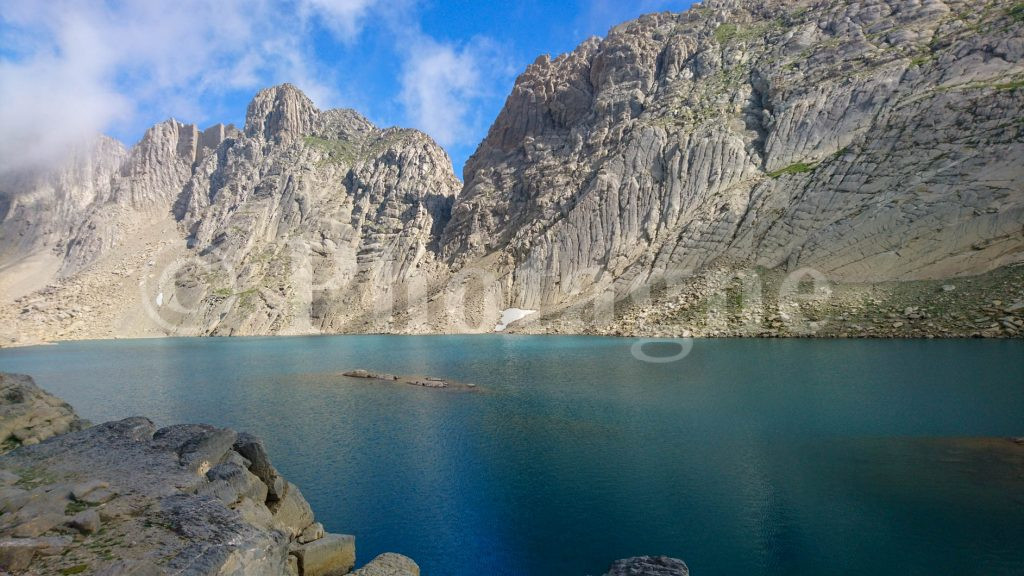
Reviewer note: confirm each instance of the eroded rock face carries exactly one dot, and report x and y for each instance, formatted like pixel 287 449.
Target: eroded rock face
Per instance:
pixel 280 114
pixel 869 140
pixel 316 216
pixel 40 208
pixel 102 193
pixel 29 415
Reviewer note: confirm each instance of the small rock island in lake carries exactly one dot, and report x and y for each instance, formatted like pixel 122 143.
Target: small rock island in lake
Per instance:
pixel 422 381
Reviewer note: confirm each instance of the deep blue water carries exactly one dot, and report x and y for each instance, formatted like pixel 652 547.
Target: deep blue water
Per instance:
pixel 781 457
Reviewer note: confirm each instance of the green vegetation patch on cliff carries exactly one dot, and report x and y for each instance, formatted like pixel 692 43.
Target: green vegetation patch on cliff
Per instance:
pixel 338 151
pixel 798 168
pixel 1010 85
pixel 728 32
pixel 1017 12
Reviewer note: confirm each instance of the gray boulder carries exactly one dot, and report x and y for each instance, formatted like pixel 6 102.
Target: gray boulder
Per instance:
pixel 389 564
pixel 332 555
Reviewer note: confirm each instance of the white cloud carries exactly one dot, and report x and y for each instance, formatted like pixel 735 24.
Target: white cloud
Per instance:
pixel 441 84
pixel 343 18
pixel 70 69
pixel 57 96
pixel 75 68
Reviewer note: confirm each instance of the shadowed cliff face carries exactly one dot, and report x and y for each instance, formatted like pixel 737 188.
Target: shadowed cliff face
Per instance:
pixel 870 141
pixel 41 208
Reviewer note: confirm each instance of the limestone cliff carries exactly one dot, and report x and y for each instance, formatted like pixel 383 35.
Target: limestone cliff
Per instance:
pixel 40 209
pixel 102 193
pixel 870 140
pixel 300 223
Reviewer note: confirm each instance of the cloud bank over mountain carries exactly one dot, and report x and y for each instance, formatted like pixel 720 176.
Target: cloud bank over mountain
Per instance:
pixel 71 69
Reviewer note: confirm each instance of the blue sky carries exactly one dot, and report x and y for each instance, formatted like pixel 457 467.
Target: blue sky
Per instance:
pixel 71 68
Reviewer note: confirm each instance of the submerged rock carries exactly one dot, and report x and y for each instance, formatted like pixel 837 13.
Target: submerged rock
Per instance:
pixel 648 566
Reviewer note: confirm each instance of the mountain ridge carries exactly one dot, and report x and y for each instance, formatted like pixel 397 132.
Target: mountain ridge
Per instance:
pixel 871 142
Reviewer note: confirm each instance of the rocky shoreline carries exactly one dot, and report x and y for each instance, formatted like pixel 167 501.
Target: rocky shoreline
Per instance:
pixel 124 498
pixel 29 415
pixel 989 305
pixel 127 499
pixel 746 303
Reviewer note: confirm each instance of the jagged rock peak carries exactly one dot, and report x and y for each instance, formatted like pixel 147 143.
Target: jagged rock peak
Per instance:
pixel 343 124
pixel 280 113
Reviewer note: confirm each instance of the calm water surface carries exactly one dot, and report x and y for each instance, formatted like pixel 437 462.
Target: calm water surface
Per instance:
pixel 748 457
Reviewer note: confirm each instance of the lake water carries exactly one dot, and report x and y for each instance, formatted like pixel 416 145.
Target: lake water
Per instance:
pixel 781 457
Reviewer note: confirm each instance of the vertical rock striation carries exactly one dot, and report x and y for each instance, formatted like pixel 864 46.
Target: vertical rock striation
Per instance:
pixel 871 140
pixel 319 214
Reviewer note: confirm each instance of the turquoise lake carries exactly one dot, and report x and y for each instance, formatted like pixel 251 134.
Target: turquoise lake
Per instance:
pixel 776 457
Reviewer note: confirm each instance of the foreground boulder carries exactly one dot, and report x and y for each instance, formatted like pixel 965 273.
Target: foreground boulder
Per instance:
pixel 29 415
pixel 331 555
pixel 124 497
pixel 648 566
pixel 389 564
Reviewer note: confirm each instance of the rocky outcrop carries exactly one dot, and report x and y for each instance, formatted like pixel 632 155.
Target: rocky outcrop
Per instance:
pixel 29 415
pixel 318 215
pixel 125 498
pixel 280 114
pixel 147 184
pixel 648 566
pixel 100 195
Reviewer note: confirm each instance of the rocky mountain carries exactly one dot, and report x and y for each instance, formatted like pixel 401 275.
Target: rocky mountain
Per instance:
pixel 297 224
pixel 684 174
pixel 871 141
